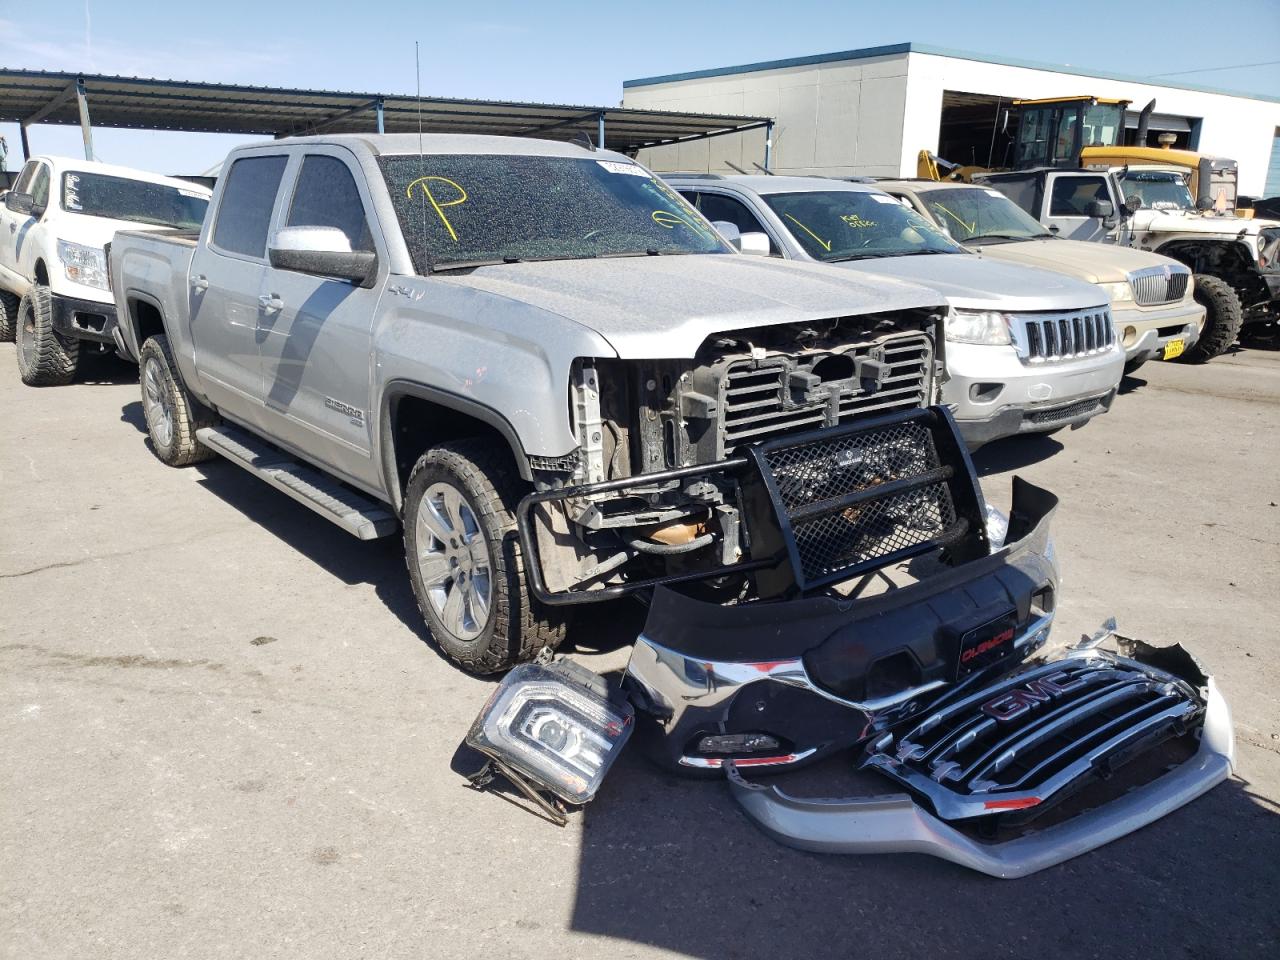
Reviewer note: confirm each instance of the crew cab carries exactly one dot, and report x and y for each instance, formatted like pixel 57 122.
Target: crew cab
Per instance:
pixel 1236 262
pixel 1153 303
pixel 1026 351
pixel 535 357
pixel 54 225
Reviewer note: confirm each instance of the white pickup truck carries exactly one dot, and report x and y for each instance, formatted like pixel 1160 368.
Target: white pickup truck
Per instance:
pixel 54 227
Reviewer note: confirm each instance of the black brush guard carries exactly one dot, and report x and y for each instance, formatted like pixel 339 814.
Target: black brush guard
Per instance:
pixel 818 508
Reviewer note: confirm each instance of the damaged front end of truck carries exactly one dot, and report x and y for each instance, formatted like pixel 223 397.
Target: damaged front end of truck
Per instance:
pixel 893 617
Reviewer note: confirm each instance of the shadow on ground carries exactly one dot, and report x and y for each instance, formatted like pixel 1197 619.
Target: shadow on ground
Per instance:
pixel 675 864
pixel 105 368
pixel 1012 453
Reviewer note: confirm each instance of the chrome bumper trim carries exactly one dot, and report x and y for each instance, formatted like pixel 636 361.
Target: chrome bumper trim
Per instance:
pixel 894 823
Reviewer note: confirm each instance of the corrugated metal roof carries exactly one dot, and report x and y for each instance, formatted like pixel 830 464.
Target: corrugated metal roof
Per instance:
pixel 151 104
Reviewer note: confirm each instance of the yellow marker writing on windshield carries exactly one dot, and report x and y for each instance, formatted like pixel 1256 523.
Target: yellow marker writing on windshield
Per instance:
pixel 670 220
pixel 826 244
pixel 423 183
pixel 968 227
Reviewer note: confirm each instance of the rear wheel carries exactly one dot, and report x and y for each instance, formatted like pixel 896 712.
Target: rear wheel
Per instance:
pixel 8 315
pixel 464 559
pixel 1222 320
pixel 44 358
pixel 173 415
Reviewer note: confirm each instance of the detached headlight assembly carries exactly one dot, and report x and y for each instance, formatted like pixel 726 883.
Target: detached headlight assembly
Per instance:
pixel 978 326
pixel 84 264
pixel 556 725
pixel 1120 292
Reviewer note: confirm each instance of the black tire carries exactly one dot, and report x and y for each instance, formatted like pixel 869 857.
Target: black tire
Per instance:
pixel 44 358
pixel 1223 316
pixel 173 416
pixel 9 303
pixel 1131 366
pixel 515 627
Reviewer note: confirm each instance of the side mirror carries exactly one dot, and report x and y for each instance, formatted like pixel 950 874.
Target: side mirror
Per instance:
pixel 22 203
pixel 729 231
pixel 1132 204
pixel 1204 203
pixel 755 243
pixel 321 252
pixel 1102 209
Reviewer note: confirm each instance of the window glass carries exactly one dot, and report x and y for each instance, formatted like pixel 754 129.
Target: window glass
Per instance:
pixel 1072 195
pixel 981 215
pixel 1159 189
pixel 715 207
pixel 40 187
pixel 244 213
pixel 121 198
pixel 327 196
pixel 23 184
pixel 461 210
pixel 836 225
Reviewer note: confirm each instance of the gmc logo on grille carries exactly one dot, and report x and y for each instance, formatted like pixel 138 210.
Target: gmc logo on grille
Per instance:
pixel 1020 700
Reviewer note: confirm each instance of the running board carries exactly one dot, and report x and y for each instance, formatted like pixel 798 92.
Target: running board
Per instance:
pixel 360 516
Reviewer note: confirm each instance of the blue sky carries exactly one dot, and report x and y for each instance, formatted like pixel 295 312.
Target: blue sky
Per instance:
pixel 581 52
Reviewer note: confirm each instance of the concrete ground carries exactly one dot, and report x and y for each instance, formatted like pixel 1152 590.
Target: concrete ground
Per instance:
pixel 226 735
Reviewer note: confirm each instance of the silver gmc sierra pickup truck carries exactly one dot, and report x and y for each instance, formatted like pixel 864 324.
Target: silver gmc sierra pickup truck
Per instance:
pixel 420 332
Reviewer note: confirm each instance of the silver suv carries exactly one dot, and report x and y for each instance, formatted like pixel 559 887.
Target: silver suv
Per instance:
pixel 1027 351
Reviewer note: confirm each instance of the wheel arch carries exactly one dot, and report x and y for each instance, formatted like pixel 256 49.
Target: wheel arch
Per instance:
pixel 145 319
pixel 41 273
pixel 1229 260
pixel 409 424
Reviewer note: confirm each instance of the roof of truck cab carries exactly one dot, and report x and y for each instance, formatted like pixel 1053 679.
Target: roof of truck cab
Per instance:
pixel 77 165
pixel 922 186
pixel 410 144
pixel 763 184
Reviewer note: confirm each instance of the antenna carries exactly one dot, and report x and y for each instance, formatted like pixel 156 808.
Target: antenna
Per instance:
pixel 422 160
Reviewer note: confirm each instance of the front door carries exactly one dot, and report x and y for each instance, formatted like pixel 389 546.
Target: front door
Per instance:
pixel 226 279
pixel 315 339
pixel 1070 196
pixel 13 228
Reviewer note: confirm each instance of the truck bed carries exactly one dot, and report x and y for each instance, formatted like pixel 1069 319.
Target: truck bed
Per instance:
pixel 151 266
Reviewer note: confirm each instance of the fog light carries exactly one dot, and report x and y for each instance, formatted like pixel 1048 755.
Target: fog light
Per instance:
pixel 738 743
pixel 557 725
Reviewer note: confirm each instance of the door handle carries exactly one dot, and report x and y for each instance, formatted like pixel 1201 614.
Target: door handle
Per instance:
pixel 200 283
pixel 270 302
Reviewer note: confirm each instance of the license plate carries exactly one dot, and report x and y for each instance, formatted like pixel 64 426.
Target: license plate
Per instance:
pixel 1174 348
pixel 984 645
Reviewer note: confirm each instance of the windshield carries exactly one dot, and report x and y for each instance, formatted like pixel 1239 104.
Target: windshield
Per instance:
pixel 854 225
pixel 119 198
pixel 1159 190
pixel 980 215
pixel 463 210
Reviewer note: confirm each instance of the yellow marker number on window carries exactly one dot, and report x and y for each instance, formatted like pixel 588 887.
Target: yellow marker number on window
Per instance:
pixel 424 184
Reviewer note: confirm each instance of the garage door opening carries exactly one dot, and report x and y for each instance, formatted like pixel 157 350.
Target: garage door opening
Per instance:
pixel 979 129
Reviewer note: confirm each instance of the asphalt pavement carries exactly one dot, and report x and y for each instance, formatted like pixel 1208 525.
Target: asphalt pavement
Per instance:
pixel 225 732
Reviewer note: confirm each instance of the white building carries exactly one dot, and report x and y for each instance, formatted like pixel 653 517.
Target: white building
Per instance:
pixel 872 111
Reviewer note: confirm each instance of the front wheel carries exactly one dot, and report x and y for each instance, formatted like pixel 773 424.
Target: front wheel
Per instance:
pixel 9 303
pixel 1222 320
pixel 44 358
pixel 464 559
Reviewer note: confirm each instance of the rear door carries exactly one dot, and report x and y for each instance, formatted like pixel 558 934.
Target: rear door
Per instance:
pixel 1068 196
pixel 227 273
pixel 315 339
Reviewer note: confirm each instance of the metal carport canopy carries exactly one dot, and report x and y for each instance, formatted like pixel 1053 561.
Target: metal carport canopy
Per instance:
pixel 32 96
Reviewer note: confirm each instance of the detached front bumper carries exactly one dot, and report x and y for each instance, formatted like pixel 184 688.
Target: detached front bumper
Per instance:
pixel 1144 332
pixel 900 823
